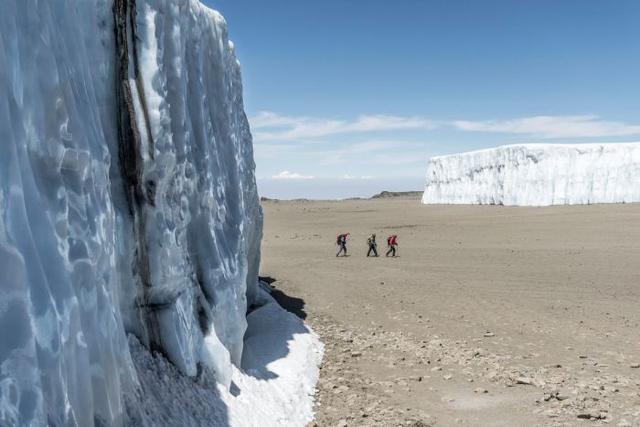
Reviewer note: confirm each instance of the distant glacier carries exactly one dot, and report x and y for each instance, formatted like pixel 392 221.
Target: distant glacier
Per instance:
pixel 536 175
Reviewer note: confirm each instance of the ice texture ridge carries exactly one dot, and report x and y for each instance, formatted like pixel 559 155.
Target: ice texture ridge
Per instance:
pixel 128 203
pixel 537 175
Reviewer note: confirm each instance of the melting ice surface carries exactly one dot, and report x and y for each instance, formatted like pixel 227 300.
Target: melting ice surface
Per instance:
pixel 537 175
pixel 129 221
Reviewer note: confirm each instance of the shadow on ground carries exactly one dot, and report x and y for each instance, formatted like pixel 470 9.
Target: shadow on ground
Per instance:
pixel 291 304
pixel 168 397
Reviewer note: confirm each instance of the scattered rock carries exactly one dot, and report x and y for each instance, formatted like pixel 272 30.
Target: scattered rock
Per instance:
pixel 489 334
pixel 592 416
pixel 524 380
pixel 600 393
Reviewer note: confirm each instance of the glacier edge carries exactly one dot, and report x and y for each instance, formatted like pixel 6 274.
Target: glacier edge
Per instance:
pixel 536 175
pixel 129 211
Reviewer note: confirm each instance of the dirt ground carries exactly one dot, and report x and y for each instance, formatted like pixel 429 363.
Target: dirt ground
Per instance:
pixel 490 316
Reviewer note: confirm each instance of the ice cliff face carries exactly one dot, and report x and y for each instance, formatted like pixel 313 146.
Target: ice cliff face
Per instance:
pixel 537 175
pixel 128 202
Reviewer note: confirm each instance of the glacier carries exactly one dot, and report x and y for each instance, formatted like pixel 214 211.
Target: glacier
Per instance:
pixel 130 224
pixel 536 175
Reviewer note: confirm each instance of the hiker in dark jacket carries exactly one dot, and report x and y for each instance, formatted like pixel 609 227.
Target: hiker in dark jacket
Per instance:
pixel 373 246
pixel 341 241
pixel 392 242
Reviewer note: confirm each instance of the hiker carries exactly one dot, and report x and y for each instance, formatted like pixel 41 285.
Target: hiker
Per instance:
pixel 392 242
pixel 373 246
pixel 341 241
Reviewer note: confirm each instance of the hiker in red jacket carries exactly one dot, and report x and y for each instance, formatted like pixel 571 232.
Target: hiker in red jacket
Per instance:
pixel 392 242
pixel 341 241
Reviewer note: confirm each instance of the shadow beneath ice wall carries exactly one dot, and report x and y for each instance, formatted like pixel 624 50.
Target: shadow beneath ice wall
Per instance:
pixel 167 397
pixel 274 330
pixel 291 304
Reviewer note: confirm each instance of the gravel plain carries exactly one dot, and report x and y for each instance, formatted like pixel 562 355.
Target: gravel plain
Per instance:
pixel 490 316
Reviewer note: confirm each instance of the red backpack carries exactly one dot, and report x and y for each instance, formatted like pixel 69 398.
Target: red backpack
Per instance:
pixel 391 240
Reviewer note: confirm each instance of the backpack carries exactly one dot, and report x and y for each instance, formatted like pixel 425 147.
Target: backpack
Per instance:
pixel 391 240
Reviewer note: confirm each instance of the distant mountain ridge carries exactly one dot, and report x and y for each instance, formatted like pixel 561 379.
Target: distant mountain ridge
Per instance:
pixel 390 194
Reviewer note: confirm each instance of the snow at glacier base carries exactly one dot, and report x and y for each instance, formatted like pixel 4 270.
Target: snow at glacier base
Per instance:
pixel 130 226
pixel 536 175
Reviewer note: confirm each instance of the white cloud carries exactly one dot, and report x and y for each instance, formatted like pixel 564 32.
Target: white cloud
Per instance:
pixel 291 175
pixel 325 153
pixel 552 126
pixel 269 126
pixel 267 119
pixel 347 176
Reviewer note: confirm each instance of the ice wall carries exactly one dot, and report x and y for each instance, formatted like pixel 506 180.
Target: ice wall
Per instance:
pixel 537 175
pixel 127 202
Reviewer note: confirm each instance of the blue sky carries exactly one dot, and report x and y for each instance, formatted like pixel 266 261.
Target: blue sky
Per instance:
pixel 347 98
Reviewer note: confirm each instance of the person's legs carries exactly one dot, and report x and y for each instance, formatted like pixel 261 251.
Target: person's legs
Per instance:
pixel 390 250
pixel 375 250
pixel 394 250
pixel 370 249
pixel 342 248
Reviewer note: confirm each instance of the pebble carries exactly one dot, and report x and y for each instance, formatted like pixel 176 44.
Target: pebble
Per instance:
pixel 592 416
pixel 492 374
pixel 524 380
